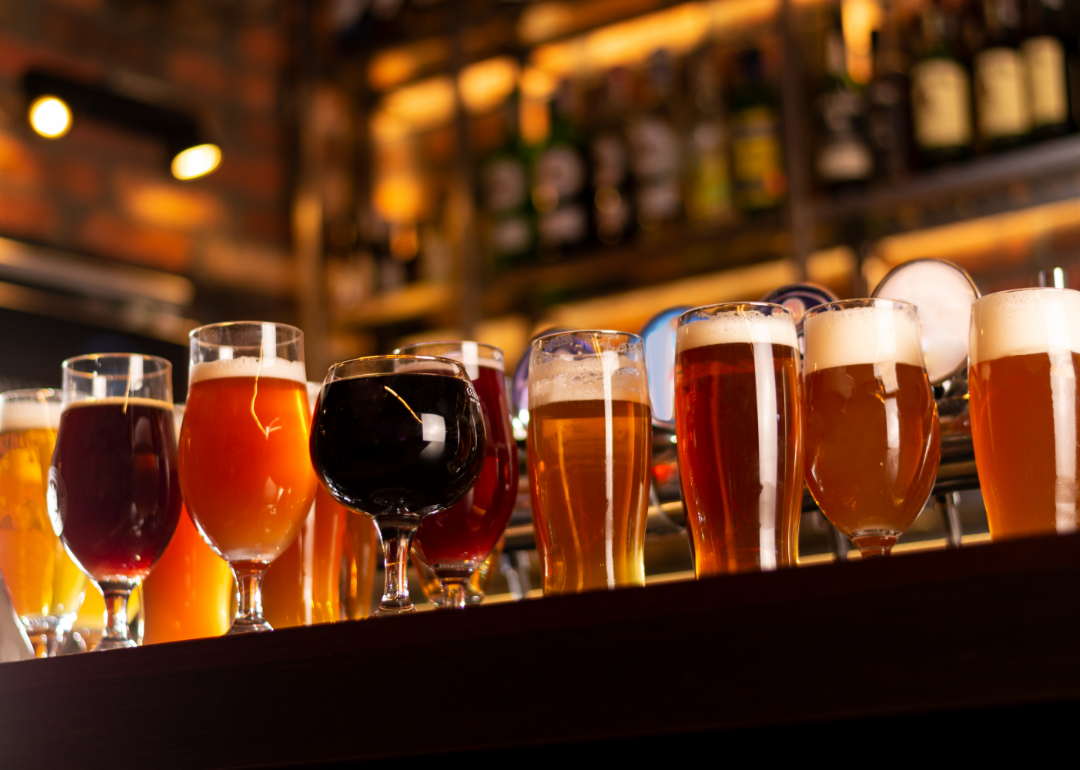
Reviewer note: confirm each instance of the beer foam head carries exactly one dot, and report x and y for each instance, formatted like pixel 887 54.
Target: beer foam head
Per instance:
pixel 589 378
pixel 882 333
pixel 249 366
pixel 29 415
pixel 153 403
pixel 1015 323
pixel 745 326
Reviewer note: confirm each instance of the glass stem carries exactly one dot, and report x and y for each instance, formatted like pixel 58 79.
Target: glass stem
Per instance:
pixel 249 609
pixel 116 616
pixel 396 532
pixel 454 593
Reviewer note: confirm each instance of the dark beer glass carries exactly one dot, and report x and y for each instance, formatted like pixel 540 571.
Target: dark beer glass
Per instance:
pixel 397 438
pixel 739 428
pixel 456 542
pixel 114 497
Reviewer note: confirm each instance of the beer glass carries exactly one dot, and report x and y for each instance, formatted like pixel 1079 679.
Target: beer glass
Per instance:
pixel 1025 409
pixel 247 482
pixel 872 437
pixel 361 554
pixel 113 491
pixel 739 427
pixel 44 585
pixel 475 589
pixel 456 542
pixel 590 439
pixel 398 438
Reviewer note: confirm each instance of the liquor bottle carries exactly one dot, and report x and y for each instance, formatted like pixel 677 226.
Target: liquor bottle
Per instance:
pixel 757 162
pixel 844 158
pixel 940 100
pixel 655 152
pixel 612 182
pixel 1045 65
pixel 506 211
pixel 1001 94
pixel 560 180
pixel 708 170
pixel 890 113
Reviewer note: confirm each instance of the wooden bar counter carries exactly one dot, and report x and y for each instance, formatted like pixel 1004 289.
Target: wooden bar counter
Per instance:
pixel 987 636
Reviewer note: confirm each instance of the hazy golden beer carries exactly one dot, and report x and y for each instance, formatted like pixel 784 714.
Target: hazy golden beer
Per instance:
pixel 738 413
pixel 45 586
pixel 590 436
pixel 1025 409
pixel 872 436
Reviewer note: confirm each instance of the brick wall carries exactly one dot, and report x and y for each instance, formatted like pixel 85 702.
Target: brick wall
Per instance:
pixel 107 192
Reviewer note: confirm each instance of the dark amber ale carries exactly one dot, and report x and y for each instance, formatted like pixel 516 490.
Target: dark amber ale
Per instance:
pixel 739 420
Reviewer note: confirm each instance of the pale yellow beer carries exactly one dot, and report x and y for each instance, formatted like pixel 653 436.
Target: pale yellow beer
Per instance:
pixel 1025 409
pixel 590 437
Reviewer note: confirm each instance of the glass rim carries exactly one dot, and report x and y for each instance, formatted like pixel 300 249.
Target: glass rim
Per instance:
pixel 718 305
pixel 578 332
pixel 193 335
pixel 1025 288
pixel 856 303
pixel 485 345
pixel 26 394
pixel 457 365
pixel 67 365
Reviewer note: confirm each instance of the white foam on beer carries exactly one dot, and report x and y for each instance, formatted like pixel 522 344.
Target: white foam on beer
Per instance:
pixel 1016 323
pixel 583 379
pixel 249 366
pixel 748 327
pixel 861 335
pixel 29 415
pixel 120 400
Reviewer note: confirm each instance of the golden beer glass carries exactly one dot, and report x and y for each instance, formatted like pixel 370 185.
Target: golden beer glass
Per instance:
pixel 872 436
pixel 589 441
pixel 1025 409
pixel 44 585
pixel 739 427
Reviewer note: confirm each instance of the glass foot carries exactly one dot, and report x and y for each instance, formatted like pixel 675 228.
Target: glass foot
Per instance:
pixel 115 644
pixel 248 626
pixel 873 543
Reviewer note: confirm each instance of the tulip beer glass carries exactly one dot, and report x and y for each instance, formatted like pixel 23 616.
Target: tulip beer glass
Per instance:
pixel 244 467
pixel 590 441
pixel 872 436
pixel 739 428
pixel 398 438
pixel 1025 409
pixel 113 490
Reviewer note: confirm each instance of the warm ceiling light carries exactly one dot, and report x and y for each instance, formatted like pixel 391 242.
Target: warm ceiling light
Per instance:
pixel 196 161
pixel 50 117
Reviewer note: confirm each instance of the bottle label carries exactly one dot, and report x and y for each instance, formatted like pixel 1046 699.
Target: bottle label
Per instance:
pixel 656 148
pixel 1044 59
pixel 940 104
pixel 561 170
pixel 845 160
pixel 756 158
pixel 1000 93
pixel 564 226
pixel 609 161
pixel 505 185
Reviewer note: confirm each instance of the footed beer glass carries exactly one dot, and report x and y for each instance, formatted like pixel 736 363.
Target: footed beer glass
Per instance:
pixel 398 438
pixel 244 467
pixel 872 436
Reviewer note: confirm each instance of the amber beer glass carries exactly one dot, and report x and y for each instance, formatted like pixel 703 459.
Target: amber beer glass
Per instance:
pixel 739 429
pixel 872 436
pixel 44 585
pixel 590 438
pixel 1025 409
pixel 244 468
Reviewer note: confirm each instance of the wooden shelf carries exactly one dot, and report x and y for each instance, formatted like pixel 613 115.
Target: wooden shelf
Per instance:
pixel 984 636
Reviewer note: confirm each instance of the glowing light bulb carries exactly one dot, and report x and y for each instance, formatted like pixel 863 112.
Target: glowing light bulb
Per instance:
pixel 50 117
pixel 196 161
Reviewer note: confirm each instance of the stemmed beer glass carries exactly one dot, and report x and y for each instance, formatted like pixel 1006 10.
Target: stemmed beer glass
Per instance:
pixel 456 542
pixel 872 436
pixel 397 438
pixel 113 492
pixel 244 467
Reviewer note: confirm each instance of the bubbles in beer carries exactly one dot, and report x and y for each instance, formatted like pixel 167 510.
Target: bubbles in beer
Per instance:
pixel 1015 323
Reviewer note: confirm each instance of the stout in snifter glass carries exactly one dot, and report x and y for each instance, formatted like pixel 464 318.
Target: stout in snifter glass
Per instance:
pixel 1025 409
pixel 454 543
pixel 590 443
pixel 397 438
pixel 739 428
pixel 113 490
pixel 872 437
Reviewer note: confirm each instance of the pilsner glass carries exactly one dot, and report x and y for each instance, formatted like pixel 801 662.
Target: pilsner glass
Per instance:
pixel 398 438
pixel 455 543
pixel 113 491
pixel 590 443
pixel 1025 409
pixel 44 585
pixel 872 436
pixel 739 428
pixel 248 484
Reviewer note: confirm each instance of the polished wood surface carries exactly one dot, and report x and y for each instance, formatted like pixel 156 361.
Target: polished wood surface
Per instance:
pixel 987 630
